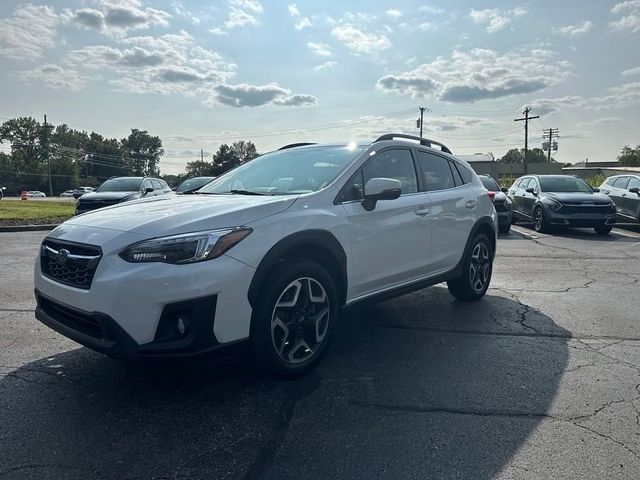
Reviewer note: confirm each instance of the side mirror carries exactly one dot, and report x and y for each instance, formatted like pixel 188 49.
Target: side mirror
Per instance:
pixel 504 189
pixel 380 189
pixel 597 190
pixel 531 190
pixel 635 190
pixel 148 190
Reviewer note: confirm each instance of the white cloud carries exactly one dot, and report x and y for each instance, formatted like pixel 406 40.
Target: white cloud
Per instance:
pixel 359 41
pixel 320 49
pixel 546 106
pixel 393 13
pixel 293 10
pixel 479 74
pixel 632 71
pixel 325 66
pixel 56 77
pixel 28 32
pixel 574 30
pixel 116 18
pixel 243 12
pixel 495 19
pixel 244 95
pixel 303 23
pixel 620 96
pixel 431 9
pixel 629 12
pixel 599 122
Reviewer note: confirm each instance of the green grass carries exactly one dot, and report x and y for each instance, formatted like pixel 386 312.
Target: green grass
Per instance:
pixel 13 211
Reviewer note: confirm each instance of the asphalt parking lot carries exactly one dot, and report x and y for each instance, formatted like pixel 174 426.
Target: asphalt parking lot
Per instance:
pixel 540 379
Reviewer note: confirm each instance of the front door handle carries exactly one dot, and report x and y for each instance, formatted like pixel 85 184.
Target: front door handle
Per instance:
pixel 607 191
pixel 471 204
pixel 624 194
pixel 421 212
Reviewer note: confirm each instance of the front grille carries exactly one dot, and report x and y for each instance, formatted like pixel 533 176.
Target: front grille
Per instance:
pixel 576 209
pixel 80 321
pixel 69 263
pixel 85 206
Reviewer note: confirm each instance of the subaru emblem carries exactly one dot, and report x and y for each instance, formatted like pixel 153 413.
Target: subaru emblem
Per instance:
pixel 62 257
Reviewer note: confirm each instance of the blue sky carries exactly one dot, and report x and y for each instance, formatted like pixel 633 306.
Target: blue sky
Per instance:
pixel 201 73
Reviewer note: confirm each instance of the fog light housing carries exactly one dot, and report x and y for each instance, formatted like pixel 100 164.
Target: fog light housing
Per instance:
pixel 181 325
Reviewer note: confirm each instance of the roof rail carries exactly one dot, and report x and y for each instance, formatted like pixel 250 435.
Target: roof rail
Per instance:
pixel 294 145
pixel 423 141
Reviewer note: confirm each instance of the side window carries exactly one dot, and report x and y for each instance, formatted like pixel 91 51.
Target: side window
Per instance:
pixel 533 183
pixel 621 182
pixel 396 164
pixel 157 186
pixel 146 184
pixel 465 173
pixel 165 187
pixel 353 189
pixel 456 175
pixel 634 182
pixel 610 181
pixel 435 171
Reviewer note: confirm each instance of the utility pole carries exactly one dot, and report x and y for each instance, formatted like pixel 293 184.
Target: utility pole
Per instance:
pixel 46 153
pixel 548 135
pixel 201 155
pixel 526 134
pixel 420 122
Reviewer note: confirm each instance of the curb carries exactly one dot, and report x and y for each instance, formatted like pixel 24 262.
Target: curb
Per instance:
pixel 26 228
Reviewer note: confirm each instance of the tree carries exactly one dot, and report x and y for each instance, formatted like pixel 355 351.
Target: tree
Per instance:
pixel 200 168
pixel 516 155
pixel 630 157
pixel 142 152
pixel 228 157
pixel 104 158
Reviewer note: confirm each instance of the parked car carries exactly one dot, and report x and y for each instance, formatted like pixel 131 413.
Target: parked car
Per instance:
pixel 561 200
pixel 121 189
pixel 500 201
pixel 269 252
pixel 35 194
pixel 67 193
pixel 79 191
pixel 190 185
pixel 624 190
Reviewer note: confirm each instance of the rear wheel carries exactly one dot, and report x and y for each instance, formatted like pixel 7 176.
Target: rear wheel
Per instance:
pixel 476 271
pixel 293 320
pixel 603 229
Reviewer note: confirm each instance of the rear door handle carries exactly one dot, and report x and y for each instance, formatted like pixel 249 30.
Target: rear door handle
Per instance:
pixel 471 204
pixel 421 212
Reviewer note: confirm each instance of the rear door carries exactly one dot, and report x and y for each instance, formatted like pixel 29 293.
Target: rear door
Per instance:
pixel 619 194
pixel 453 205
pixel 390 245
pixel 529 199
pixel 632 200
pixel 519 195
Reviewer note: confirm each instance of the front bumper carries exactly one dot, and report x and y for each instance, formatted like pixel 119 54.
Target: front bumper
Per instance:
pixel 581 220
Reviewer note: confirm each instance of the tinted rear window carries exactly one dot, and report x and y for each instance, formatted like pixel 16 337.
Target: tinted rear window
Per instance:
pixel 127 184
pixel 490 184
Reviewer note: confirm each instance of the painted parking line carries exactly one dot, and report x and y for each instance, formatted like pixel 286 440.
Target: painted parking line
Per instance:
pixel 626 234
pixel 523 232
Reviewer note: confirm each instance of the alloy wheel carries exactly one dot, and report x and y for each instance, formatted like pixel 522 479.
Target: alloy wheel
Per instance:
pixel 538 219
pixel 300 320
pixel 480 267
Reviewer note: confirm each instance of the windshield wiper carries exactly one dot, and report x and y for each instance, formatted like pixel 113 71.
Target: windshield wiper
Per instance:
pixel 245 192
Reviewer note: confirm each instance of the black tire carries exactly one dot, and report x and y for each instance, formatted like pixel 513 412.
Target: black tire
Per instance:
pixel 540 223
pixel 505 228
pixel 466 287
pixel 263 338
pixel 514 219
pixel 603 229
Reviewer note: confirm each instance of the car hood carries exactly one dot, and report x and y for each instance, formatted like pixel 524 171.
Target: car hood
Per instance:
pixel 92 196
pixel 173 214
pixel 578 197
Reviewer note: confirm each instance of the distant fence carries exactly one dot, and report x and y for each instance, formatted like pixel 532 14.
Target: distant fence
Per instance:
pixel 586 172
pixel 514 170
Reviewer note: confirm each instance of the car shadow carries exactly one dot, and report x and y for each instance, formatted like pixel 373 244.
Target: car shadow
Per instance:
pixel 422 386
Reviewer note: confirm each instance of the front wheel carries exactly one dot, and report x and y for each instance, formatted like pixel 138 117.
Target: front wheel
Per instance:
pixel 476 271
pixel 603 229
pixel 540 223
pixel 293 320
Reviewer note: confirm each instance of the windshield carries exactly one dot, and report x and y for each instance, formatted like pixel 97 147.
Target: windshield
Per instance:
pixel 128 184
pixel 192 183
pixel 564 184
pixel 294 171
pixel 490 184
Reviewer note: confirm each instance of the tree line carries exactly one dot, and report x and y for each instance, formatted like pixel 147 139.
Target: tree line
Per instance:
pixel 629 157
pixel 73 157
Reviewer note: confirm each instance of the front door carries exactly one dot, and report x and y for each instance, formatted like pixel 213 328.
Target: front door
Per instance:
pixel 390 245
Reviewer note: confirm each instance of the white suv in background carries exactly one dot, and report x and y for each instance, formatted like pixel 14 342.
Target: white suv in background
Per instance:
pixel 269 253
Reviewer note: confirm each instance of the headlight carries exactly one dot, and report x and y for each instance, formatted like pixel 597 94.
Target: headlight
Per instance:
pixel 185 248
pixel 554 205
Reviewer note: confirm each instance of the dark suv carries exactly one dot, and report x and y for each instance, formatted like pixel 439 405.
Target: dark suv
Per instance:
pixel 121 189
pixel 561 200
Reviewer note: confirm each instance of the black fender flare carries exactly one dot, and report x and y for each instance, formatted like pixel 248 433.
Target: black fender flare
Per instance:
pixel 314 237
pixel 481 223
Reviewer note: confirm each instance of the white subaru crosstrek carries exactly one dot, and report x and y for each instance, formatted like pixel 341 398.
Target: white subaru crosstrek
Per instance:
pixel 269 253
